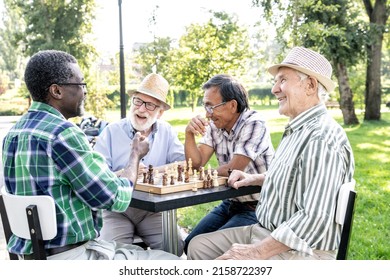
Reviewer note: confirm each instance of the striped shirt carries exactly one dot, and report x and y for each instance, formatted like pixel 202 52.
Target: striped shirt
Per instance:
pixel 44 154
pixel 298 199
pixel 249 137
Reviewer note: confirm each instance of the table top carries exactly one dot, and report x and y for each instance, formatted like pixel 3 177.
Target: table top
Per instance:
pixel 164 202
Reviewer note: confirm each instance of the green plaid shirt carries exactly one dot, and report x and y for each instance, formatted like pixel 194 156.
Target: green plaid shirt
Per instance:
pixel 44 154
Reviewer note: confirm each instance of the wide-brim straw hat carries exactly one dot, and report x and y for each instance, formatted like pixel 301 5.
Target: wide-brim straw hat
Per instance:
pixel 155 86
pixel 310 63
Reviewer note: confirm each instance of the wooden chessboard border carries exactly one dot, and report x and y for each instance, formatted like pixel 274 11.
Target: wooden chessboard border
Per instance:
pixel 178 187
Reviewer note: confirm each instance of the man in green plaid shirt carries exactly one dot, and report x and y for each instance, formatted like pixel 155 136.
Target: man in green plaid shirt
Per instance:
pixel 45 154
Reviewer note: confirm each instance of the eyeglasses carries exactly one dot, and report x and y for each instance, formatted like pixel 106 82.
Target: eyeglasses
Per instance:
pixel 83 85
pixel 148 105
pixel 210 109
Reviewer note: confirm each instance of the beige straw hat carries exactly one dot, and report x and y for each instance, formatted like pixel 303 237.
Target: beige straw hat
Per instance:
pixel 155 86
pixel 310 63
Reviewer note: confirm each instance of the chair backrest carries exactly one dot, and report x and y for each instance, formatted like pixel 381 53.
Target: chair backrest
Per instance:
pixel 30 217
pixel 344 216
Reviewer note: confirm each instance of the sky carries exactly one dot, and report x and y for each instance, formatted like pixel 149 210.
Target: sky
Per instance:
pixel 172 18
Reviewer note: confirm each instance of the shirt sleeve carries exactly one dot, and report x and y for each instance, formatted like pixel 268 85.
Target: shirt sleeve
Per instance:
pixel 87 172
pixel 252 139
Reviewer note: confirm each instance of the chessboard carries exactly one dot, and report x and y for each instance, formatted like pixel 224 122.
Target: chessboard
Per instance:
pixel 178 178
pixel 177 187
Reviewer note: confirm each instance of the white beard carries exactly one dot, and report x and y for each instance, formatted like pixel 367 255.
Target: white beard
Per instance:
pixel 145 125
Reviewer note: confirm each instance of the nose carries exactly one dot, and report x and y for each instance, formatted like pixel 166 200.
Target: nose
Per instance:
pixel 275 88
pixel 142 107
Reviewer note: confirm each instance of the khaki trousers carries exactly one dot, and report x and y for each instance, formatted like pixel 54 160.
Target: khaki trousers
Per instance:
pixel 209 246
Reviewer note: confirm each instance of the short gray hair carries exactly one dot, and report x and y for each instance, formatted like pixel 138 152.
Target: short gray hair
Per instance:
pixel 323 94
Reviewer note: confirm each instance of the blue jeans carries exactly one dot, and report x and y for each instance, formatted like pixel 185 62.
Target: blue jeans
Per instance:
pixel 228 214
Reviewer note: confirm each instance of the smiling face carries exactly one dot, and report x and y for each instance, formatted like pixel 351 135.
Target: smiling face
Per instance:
pixel 223 116
pixel 141 118
pixel 295 95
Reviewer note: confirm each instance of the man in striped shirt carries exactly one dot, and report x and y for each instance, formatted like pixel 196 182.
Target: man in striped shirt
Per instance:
pixel 45 154
pixel 297 205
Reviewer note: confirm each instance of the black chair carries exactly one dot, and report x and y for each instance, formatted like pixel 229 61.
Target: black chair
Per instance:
pixel 344 216
pixel 29 217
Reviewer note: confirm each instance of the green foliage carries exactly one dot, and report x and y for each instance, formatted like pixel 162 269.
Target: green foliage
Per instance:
pixel 218 46
pixel 64 26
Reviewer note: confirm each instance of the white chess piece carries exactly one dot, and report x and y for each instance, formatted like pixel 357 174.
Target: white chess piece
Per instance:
pixel 215 178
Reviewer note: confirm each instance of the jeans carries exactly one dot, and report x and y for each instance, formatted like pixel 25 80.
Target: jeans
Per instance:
pixel 228 214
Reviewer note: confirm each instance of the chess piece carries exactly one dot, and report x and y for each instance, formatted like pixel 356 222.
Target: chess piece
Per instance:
pixel 229 172
pixel 186 177
pixel 195 175
pixel 165 179
pixel 145 180
pixel 179 173
pixel 150 178
pixel 201 173
pixel 190 170
pixel 209 169
pixel 172 180
pixel 209 181
pixel 215 178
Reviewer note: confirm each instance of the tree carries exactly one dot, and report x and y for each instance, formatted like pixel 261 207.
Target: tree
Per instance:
pixel 60 25
pixel 378 15
pixel 332 27
pixel 218 46
pixel 370 38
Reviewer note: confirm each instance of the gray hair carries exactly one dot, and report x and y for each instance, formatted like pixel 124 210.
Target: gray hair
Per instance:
pixel 323 94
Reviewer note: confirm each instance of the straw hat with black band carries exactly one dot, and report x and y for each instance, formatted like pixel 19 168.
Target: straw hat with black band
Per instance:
pixel 310 63
pixel 155 86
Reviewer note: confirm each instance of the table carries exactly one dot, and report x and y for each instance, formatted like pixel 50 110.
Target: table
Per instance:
pixel 168 203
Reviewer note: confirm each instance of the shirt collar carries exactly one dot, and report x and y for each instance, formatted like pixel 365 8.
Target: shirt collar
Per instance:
pixel 305 117
pixel 39 106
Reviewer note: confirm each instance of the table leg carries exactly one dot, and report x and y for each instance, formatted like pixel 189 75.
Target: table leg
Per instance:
pixel 170 236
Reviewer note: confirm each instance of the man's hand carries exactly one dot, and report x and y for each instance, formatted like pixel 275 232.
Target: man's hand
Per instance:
pixel 239 178
pixel 140 145
pixel 197 125
pixel 241 252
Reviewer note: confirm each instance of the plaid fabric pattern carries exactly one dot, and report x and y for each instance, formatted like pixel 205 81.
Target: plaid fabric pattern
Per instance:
pixel 249 137
pixel 44 154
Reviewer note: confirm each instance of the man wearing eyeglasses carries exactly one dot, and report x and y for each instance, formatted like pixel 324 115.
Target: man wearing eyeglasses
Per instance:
pixel 148 104
pixel 240 140
pixel 45 154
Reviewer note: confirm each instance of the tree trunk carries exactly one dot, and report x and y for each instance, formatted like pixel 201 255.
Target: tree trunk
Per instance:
pixel 373 82
pixel 346 96
pixel 378 16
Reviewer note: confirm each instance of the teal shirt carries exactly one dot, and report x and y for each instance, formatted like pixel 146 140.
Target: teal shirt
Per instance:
pixel 44 154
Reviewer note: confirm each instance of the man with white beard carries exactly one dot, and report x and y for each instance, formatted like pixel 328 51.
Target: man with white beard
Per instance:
pixel 148 104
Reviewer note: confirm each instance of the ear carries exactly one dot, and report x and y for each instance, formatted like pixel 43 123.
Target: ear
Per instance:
pixel 160 113
pixel 312 86
pixel 233 105
pixel 55 92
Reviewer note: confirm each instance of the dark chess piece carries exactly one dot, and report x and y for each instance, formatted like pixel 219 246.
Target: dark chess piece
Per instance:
pixel 229 172
pixel 165 179
pixel 150 175
pixel 172 180
pixel 187 176
pixel 145 180
pixel 179 173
